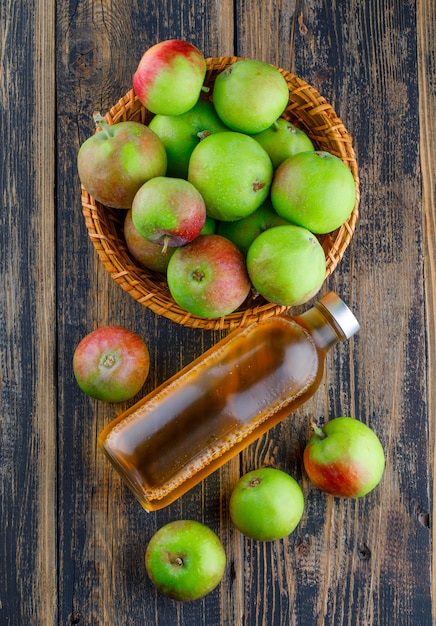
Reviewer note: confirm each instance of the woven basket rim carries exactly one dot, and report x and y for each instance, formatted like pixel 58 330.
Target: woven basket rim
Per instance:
pixel 309 110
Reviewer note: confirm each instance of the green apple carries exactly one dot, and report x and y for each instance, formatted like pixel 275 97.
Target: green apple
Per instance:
pixel 210 226
pixel 146 253
pixel 282 140
pixel 266 504
pixel 168 211
pixel 208 277
pixel 185 560
pixel 169 77
pixel 232 172
pixel 344 458
pixel 286 265
pixel 250 95
pixel 181 133
pixel 314 189
pixel 244 231
pixel 115 162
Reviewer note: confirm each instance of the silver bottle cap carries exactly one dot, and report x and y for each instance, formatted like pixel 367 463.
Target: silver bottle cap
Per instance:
pixel 340 314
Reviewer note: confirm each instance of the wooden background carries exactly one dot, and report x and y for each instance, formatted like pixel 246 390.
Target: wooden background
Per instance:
pixel 72 537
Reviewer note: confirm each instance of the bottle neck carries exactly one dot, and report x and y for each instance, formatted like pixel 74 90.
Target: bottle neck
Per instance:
pixel 321 327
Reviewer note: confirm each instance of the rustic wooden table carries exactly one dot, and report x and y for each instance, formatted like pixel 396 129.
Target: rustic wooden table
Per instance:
pixel 72 536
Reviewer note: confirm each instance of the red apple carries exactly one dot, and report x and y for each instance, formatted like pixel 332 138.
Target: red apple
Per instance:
pixel 115 162
pixel 146 253
pixel 168 211
pixel 208 277
pixel 111 363
pixel 344 458
pixel 185 560
pixel 169 77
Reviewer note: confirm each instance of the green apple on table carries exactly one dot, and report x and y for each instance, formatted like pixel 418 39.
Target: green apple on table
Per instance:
pixel 344 458
pixel 266 504
pixel 114 162
pixel 169 77
pixel 185 560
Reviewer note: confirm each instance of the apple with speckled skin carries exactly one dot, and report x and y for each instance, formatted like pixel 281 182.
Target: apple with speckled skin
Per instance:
pixel 266 504
pixel 282 140
pixel 114 162
pixel 169 77
pixel 111 363
pixel 250 95
pixel 180 134
pixel 244 231
pixel 146 253
pixel 286 265
pixel 185 560
pixel 314 189
pixel 344 458
pixel 168 211
pixel 208 276
pixel 232 172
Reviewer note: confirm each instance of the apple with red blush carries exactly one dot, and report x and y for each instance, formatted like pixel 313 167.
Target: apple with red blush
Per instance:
pixel 168 211
pixel 116 161
pixel 111 363
pixel 344 458
pixel 208 276
pixel 169 77
pixel 144 252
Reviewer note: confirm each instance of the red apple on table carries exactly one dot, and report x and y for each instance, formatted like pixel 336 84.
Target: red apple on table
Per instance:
pixel 145 252
pixel 208 277
pixel 185 560
pixel 111 363
pixel 180 134
pixel 169 77
pixel 250 95
pixel 314 189
pixel 115 162
pixel 344 458
pixel 232 172
pixel 168 211
pixel 266 504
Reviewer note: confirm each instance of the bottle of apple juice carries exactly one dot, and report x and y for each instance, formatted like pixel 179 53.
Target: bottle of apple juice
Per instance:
pixel 223 401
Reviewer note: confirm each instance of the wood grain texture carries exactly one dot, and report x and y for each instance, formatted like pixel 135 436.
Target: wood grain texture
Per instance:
pixel 426 25
pixel 72 536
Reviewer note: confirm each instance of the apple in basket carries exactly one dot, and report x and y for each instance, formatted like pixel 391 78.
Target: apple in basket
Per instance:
pixel 115 162
pixel 282 140
pixel 144 252
pixel 169 77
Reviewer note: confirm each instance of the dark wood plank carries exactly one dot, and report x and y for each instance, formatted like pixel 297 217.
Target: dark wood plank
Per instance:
pixel 103 531
pixel 28 412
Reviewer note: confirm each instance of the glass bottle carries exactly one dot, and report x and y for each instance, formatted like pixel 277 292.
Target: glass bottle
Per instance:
pixel 223 401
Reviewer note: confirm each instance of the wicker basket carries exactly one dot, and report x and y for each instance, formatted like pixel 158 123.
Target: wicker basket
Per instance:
pixel 308 110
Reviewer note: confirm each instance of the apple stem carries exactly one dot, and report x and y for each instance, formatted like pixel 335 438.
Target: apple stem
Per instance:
pixel 165 245
pixel 100 121
pixel 202 134
pixel 205 89
pixel 313 426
